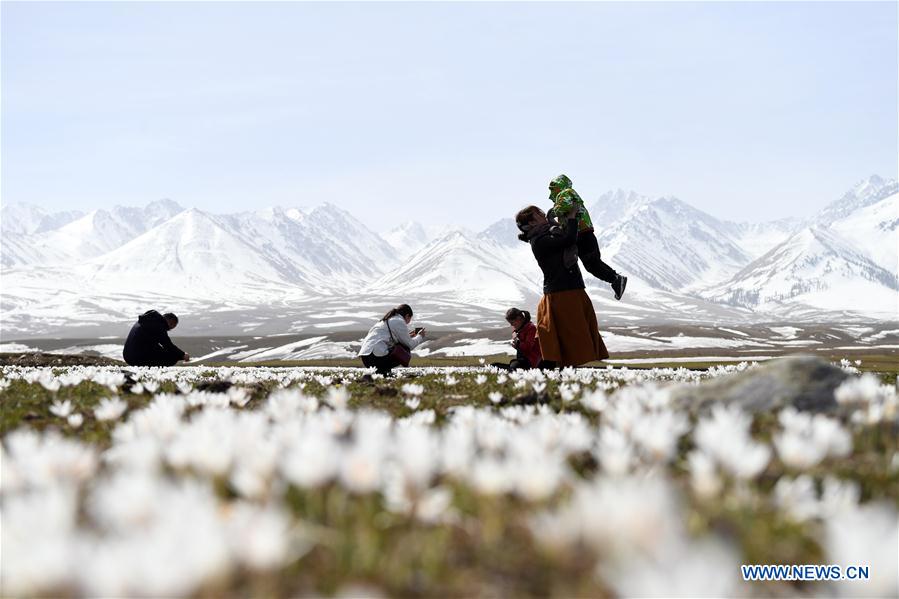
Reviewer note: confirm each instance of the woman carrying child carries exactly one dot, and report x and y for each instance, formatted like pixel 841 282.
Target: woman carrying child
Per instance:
pixel 566 321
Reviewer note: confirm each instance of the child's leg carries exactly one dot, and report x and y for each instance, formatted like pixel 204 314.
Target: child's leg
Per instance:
pixel 588 250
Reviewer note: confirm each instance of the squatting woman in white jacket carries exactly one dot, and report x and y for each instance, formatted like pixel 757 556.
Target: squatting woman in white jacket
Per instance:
pixel 390 331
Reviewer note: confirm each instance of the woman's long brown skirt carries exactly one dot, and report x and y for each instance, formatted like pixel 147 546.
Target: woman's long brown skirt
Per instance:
pixel 567 329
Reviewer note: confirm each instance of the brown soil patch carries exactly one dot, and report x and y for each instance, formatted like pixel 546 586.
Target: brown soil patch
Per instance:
pixel 42 359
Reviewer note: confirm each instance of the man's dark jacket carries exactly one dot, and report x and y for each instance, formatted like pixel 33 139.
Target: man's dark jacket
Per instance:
pixel 148 343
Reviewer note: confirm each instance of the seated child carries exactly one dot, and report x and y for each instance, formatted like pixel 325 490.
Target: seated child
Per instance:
pixel 524 340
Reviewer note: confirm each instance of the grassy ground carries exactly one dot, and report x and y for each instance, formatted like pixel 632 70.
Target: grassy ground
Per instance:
pixel 358 546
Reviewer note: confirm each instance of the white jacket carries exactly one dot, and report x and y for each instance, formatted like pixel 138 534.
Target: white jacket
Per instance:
pixel 378 340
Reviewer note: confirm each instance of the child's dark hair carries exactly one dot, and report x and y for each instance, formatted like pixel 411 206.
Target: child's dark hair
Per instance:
pixel 403 310
pixel 170 316
pixel 513 313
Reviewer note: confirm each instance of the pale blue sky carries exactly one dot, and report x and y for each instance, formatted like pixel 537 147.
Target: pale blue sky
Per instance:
pixel 454 113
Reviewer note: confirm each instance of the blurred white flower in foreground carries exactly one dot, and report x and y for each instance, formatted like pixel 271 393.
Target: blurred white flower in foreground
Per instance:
pixel 623 517
pixel 61 408
pixel 38 542
pixel 703 568
pixel 725 438
pixel 807 439
pixel 873 401
pixel 412 389
pixel 110 409
pixel 704 477
pixel 868 536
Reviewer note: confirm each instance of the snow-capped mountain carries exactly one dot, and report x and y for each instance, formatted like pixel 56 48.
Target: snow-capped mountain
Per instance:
pixel 325 246
pixel 503 232
pixel 615 206
pixel 817 267
pixel 72 237
pixel 757 238
pixel 24 219
pixel 462 267
pixel 670 245
pixel 864 193
pixel 69 269
pixel 21 250
pixel 847 259
pixel 195 252
pixel 407 239
pixel 344 231
pixel 874 229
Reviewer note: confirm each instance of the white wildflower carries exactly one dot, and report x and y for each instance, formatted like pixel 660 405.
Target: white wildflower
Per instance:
pixel 704 477
pixel 806 439
pixel 259 536
pixel 61 408
pixel 312 460
pixel 40 527
pixel 689 568
pixel 657 433
pixel 412 389
pixel 110 408
pixel 594 400
pixel 866 536
pixel 615 451
pixel 337 397
pixel 838 496
pixel 797 497
pixel 725 437
pixel 360 471
pixel 49 383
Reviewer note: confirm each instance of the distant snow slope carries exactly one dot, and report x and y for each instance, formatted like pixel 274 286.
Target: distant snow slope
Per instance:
pixel 671 245
pixel 407 238
pixel 874 229
pixel 463 267
pixel 819 268
pixel 847 260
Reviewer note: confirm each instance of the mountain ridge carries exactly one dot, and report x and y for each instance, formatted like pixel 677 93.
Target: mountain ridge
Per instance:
pixel 674 254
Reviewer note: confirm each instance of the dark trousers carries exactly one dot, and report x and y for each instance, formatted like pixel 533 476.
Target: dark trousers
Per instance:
pixel 152 357
pixel 516 364
pixel 588 250
pixel 383 364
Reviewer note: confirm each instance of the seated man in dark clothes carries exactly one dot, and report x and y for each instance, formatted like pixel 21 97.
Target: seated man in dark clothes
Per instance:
pixel 148 343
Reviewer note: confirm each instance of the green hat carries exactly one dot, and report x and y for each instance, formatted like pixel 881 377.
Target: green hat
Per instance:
pixel 561 181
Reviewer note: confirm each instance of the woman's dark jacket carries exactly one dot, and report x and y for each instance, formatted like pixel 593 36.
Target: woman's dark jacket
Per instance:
pixel 149 340
pixel 549 249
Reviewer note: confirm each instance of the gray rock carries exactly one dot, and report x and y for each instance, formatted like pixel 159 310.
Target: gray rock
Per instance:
pixel 804 382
